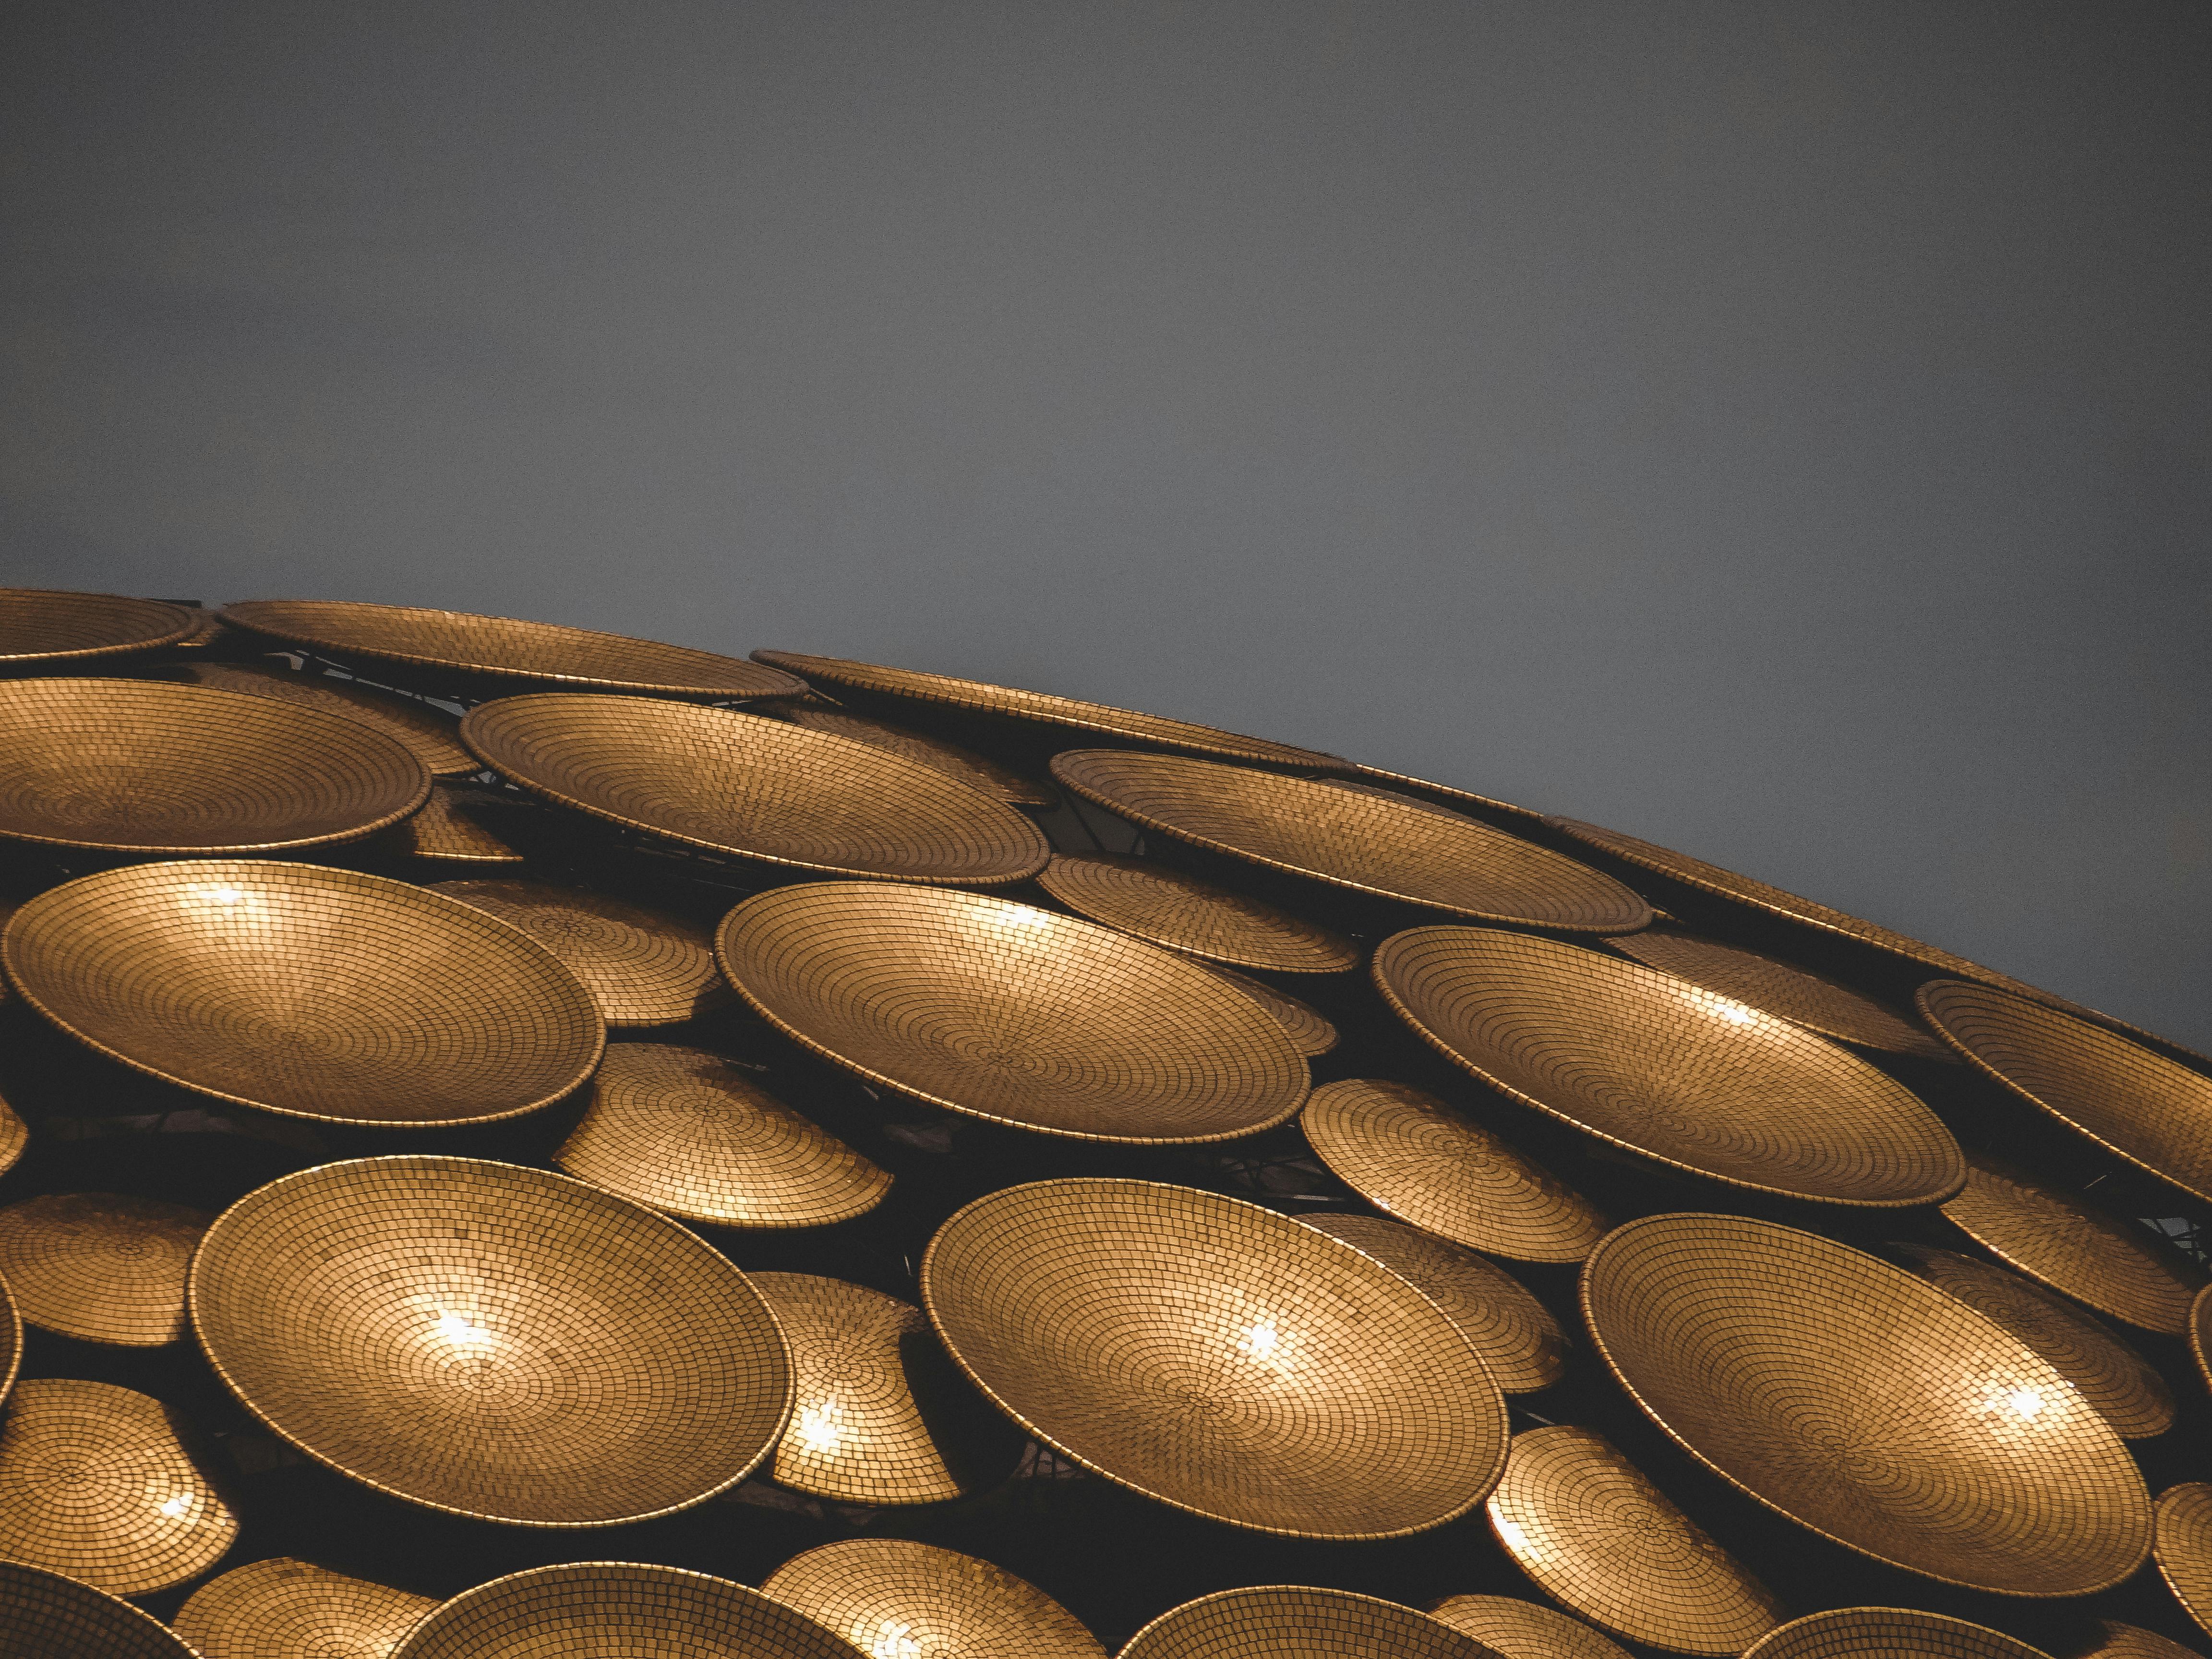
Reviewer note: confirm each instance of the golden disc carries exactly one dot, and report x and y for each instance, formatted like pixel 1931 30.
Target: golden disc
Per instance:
pixel 642 967
pixel 1160 904
pixel 1515 1629
pixel 1310 1031
pixel 280 1609
pixel 11 1339
pixel 1867 1405
pixel 428 732
pixel 1218 1357
pixel 685 1132
pixel 1012 1014
pixel 2184 1549
pixel 97 1482
pixel 887 1596
pixel 2200 1334
pixel 1385 849
pixel 1275 1621
pixel 755 788
pixel 15 1133
pixel 1888 1633
pixel 1655 1064
pixel 2117 1641
pixel 1463 801
pixel 50 1615
pixel 460 826
pixel 315 992
pixel 100 1267
pixel 143 766
pixel 491 1340
pixel 1000 782
pixel 50 625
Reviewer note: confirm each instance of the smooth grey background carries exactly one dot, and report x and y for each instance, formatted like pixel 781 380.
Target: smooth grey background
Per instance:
pixel 1779 430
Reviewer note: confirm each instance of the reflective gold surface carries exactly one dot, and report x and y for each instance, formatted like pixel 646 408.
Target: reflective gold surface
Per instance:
pixel 280 1609
pixel 887 1596
pixel 15 1133
pixel 1310 1031
pixel 11 1339
pixel 1217 1356
pixel 1000 782
pixel 1867 1405
pixel 1443 794
pixel 1888 1633
pixel 492 1341
pixel 2185 1547
pixel 1276 1621
pixel 1385 849
pixel 315 992
pixel 430 732
pixel 2114 1640
pixel 100 1267
pixel 1516 1629
pixel 2200 1334
pixel 50 625
pixel 1157 902
pixel 1012 1013
pixel 459 826
pixel 1657 1066
pixel 642 967
pixel 48 1615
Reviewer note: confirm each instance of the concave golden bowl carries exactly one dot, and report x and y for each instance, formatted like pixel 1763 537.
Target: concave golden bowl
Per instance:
pixel 51 625
pixel 1409 1153
pixel 642 967
pixel 1867 1405
pixel 1522 1630
pixel 430 733
pixel 1310 1031
pixel 503 647
pixel 2114 1640
pixel 621 1608
pixel 1158 902
pixel 755 788
pixel 1661 1067
pixel 1012 1013
pixel 492 1341
pixel 143 766
pixel 278 1608
pixel 459 825
pixel 2185 1547
pixel 1218 1357
pixel 1275 1621
pixel 878 1593
pixel 1383 847
pixel 50 1615
pixel 1000 782
pixel 2200 1334
pixel 1888 1633
pixel 11 1339
pixel 100 1267
pixel 311 992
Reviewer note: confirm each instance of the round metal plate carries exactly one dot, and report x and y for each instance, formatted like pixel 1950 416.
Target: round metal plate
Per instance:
pixel 100 1267
pixel 1515 1629
pixel 642 967
pixel 430 732
pixel 1157 902
pixel 460 826
pixel 1888 1633
pixel 1273 1621
pixel 48 1615
pixel 1310 1031
pixel 49 625
pixel 279 1607
pixel 1000 782
pixel 881 1593
pixel 2185 1547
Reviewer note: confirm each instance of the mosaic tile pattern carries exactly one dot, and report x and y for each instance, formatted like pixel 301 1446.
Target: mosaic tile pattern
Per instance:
pixel 643 967
pixel 1522 1630
pixel 1888 1633
pixel 2184 1547
pixel 280 1609
pixel 48 1615
pixel 100 1267
pixel 48 625
pixel 430 733
pixel 887 1596
pixel 1168 907
pixel 1000 782
pixel 1269 1621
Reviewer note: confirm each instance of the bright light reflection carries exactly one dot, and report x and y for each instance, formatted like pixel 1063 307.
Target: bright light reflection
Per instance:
pixel 894 1642
pixel 178 1505
pixel 1738 1015
pixel 1515 1535
pixel 1262 1339
pixel 456 1329
pixel 818 1430
pixel 2025 1402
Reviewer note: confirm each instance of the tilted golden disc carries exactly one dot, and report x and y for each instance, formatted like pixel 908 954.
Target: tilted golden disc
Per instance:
pixel 2114 1640
pixel 15 1133
pixel 1273 1621
pixel 1867 1405
pixel 280 1609
pixel 459 826
pixel 98 1482
pixel 1465 802
pixel 51 625
pixel 1310 1031
pixel 2200 1334
pixel 1406 1152
pixel 1218 1357
pixel 50 1615
pixel 1516 1629
pixel 642 967
pixel 312 992
pixel 755 788
pixel 685 1132
pixel 100 1267
pixel 491 1340
pixel 429 731
pixel 1158 902
pixel 1888 1633
pixel 2185 1547
pixel 11 1339
pixel 878 1593
pixel 1658 1065
pixel 1012 1013
pixel 1000 782
pixel 1384 847
pixel 145 767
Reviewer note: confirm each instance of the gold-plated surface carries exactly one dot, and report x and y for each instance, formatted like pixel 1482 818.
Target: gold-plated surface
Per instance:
pixel 2111 1376
pixel 2183 1548
pixel 2117 1266
pixel 1866 1404
pixel 98 1482
pixel 684 1131
pixel 143 766
pixel 1012 1013
pixel 1594 1533
pixel 1407 1152
pixel 642 967
pixel 15 1133
pixel 1888 1633
pixel 755 788
pixel 1157 902
pixel 887 1596
pixel 618 1610
pixel 430 732
pixel 50 1615
pixel 1385 849
pixel 503 647
pixel 100 1267
pixel 11 1339
pixel 1516 1629
pixel 1465 801
pixel 1278 1621
pixel 280 1609
pixel 2113 1640
pixel 1513 1333
pixel 315 992
pixel 496 1342
pixel 1658 1065
pixel 458 826
pixel 2200 1334
pixel 1310 1031
pixel 1000 782
pixel 50 625
pixel 1218 1357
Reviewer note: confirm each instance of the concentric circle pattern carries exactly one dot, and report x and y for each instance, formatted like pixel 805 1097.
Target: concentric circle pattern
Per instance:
pixel 642 967
pixel 2200 1334
pixel 1888 1633
pixel 1218 1356
pixel 1000 782
pixel 312 992
pixel 2185 1547
pixel 1463 801
pixel 460 825
pixel 50 1615
pixel 143 766
pixel 100 1267
pixel 1385 849
pixel 883 1594
pixel 2114 1640
pixel 1658 1065
pixel 1522 1630
pixel 1310 1031
pixel 1157 902
pixel 11 1339
pixel 50 625
pixel 756 788
pixel 1866 1404
pixel 1273 1621
pixel 428 732
pixel 1012 1013
pixel 497 1341
pixel 280 1609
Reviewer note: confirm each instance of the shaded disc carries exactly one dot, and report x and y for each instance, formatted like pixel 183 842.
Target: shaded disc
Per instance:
pixel 1406 1152
pixel 315 992
pixel 1888 1633
pixel 1657 1066
pixel 430 732
pixel 280 1609
pixel 1522 1630
pixel 15 1133
pixel 50 625
pixel 50 1615
pixel 886 1595
pixel 11 1339
pixel 1310 1031
pixel 2185 1547
pixel 2200 1334
pixel 492 1341
pixel 1513 1333
pixel 1000 782
pixel 1463 801
pixel 2113 1640
pixel 685 1132
pixel 143 766
pixel 459 826
pixel 1384 847
pixel 1157 902
pixel 503 647
pixel 1865 1404
pixel 642 967
pixel 2111 1376
pixel 755 788
pixel 1013 1014
pixel 1274 1621
pixel 100 1267
pixel 2118 1267
pixel 1218 1357
pixel 98 1482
